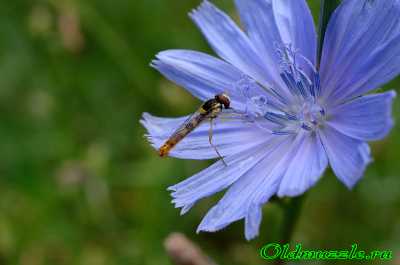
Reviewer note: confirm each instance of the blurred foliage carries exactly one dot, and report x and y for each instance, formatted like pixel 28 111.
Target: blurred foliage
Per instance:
pixel 80 185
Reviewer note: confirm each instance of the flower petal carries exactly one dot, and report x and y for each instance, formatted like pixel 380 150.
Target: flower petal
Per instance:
pixel 216 177
pixel 366 118
pixel 347 156
pixel 258 19
pixel 276 22
pixel 306 167
pixel 247 194
pixel 202 75
pixel 296 26
pixel 231 44
pixel 282 171
pixel 252 220
pixel 229 136
pixel 361 50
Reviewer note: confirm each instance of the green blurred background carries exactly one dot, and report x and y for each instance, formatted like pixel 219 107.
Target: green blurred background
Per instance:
pixel 78 182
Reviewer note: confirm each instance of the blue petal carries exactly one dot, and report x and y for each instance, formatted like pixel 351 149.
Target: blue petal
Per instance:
pixel 229 136
pixel 366 118
pixel 280 170
pixel 216 177
pixel 201 74
pixel 296 26
pixel 306 167
pixel 259 21
pixel 252 221
pixel 246 195
pixel 347 156
pixel 230 43
pixel 275 22
pixel 361 50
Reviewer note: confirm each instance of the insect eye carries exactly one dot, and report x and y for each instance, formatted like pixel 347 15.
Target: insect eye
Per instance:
pixel 226 102
pixel 223 99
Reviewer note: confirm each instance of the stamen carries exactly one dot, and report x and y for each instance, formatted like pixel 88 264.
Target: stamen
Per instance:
pixel 290 83
pixel 306 127
pixel 317 84
pixel 249 87
pixel 307 84
pixel 276 118
pixel 257 101
pixel 296 80
pixel 278 132
pixel 285 116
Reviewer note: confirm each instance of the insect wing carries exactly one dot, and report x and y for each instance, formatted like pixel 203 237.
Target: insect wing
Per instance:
pixel 231 115
pixel 187 126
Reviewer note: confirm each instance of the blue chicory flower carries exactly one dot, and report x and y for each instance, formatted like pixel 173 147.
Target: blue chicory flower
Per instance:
pixel 297 119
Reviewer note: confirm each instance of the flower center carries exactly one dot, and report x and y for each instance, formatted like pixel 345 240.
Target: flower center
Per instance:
pixel 308 116
pixel 311 115
pixel 301 110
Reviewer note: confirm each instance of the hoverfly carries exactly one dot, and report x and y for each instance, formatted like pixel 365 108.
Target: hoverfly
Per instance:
pixel 209 110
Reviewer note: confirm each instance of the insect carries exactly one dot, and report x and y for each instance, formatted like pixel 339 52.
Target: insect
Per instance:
pixel 209 110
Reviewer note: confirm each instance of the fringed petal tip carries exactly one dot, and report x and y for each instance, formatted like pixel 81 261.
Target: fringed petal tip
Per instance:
pixel 208 226
pixel 171 188
pixel 179 202
pixel 204 6
pixel 152 141
pixel 161 57
pixel 154 64
pixel 157 59
pixel 153 130
pixel 252 222
pixel 186 208
pixel 146 121
pixel 365 152
pixel 147 125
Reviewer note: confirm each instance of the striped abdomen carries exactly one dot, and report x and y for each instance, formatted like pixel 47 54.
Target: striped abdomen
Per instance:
pixel 181 132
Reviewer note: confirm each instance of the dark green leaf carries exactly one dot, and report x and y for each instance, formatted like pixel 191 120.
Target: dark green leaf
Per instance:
pixel 327 8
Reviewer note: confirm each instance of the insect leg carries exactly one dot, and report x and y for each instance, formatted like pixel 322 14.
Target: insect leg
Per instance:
pixel 210 135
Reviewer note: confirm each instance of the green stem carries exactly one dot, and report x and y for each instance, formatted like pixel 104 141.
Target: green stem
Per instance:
pixel 292 210
pixel 292 214
pixel 327 8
